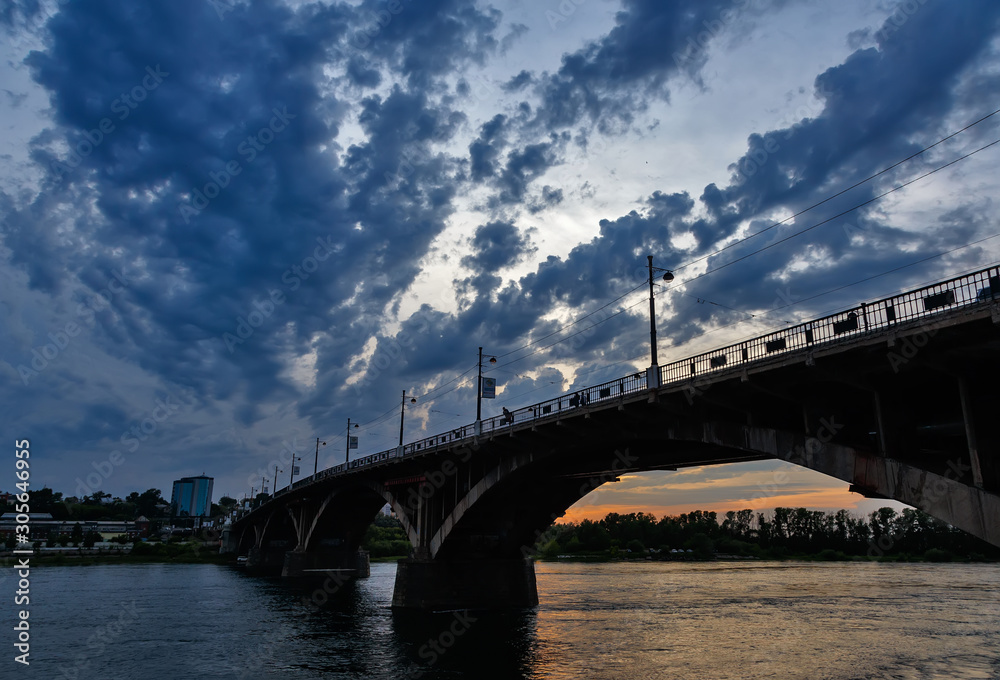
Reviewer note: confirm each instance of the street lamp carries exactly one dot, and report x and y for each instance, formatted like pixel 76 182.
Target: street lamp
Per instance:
pixel 316 464
pixel 667 276
pixel 347 453
pixel 291 475
pixel 402 410
pixel 276 471
pixel 479 389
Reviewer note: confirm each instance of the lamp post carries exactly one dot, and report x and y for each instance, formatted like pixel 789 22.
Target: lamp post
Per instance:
pixel 402 411
pixel 667 276
pixel 347 451
pixel 479 389
pixel 262 480
pixel 291 475
pixel 276 471
pixel 316 464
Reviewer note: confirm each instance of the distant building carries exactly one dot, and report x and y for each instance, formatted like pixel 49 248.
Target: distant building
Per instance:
pixel 41 526
pixel 192 497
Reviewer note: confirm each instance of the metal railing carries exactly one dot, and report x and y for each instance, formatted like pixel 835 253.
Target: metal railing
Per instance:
pixel 963 291
pixel 866 318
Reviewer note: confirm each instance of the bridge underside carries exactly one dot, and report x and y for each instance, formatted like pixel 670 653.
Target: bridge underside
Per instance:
pixel 906 416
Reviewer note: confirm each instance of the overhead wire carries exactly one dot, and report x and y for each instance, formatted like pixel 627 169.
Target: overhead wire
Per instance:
pixel 436 394
pixel 841 214
pixel 776 224
pixel 839 193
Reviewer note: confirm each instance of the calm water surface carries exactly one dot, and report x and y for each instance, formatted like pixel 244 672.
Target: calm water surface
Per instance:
pixel 608 620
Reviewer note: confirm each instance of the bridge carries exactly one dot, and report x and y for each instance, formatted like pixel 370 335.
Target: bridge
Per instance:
pixel 896 397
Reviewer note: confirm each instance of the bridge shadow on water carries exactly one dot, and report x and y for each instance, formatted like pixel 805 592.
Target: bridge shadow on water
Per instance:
pixel 352 632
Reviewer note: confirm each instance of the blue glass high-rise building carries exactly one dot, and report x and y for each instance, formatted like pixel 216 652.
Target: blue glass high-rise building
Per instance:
pixel 192 497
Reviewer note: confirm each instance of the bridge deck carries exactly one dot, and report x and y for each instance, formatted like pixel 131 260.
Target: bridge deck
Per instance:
pixel 954 301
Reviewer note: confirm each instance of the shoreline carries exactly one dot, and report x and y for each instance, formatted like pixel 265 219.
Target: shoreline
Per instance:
pixel 230 560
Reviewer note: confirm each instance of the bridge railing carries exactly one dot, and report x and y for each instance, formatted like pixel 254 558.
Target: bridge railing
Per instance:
pixel 968 290
pixel 568 403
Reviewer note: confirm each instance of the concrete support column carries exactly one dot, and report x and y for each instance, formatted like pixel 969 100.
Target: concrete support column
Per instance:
pixel 300 564
pixel 254 558
pixel 229 543
pixel 263 562
pixel 465 584
pixel 970 433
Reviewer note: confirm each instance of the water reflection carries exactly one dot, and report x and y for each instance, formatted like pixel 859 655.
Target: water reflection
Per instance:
pixel 453 644
pixel 350 631
pixel 789 620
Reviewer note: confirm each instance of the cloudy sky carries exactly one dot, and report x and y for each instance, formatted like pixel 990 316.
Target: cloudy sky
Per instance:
pixel 229 226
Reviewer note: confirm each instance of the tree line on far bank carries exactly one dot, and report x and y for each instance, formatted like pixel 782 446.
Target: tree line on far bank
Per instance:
pixel 788 532
pixel 102 506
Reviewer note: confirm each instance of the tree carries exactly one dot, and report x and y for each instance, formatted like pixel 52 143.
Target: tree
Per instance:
pixel 702 545
pixel 636 546
pixel 146 502
pixel 97 498
pixel 91 538
pixel 77 535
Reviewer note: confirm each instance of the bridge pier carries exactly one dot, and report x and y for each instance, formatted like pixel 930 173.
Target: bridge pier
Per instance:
pixel 465 584
pixel 264 562
pixel 298 563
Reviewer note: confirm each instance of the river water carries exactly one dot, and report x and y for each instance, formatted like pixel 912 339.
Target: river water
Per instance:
pixel 607 620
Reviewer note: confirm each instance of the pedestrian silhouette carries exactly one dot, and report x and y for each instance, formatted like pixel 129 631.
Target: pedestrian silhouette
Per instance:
pixel 507 415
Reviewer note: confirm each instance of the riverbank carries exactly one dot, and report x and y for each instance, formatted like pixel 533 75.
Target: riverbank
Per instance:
pixel 141 553
pixel 178 554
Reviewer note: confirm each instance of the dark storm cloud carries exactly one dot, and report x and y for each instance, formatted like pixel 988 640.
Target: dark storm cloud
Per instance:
pixel 880 106
pixel 485 150
pixel 426 40
pixel 518 82
pixel 496 245
pixel 525 165
pixel 877 105
pixel 308 240
pixel 210 182
pixel 549 198
pixel 611 79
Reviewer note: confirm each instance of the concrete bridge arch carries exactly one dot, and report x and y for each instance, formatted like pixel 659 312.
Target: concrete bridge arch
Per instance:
pixel 897 398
